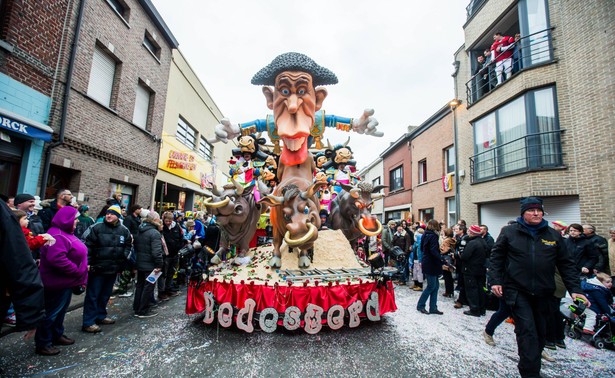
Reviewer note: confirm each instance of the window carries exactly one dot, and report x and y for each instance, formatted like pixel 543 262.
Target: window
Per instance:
pixel 519 136
pixel 143 100
pixel 102 77
pixel 186 134
pixel 151 45
pixel 423 171
pixel 120 8
pixel 396 178
pixel 449 160
pixel 451 210
pixel 376 181
pixel 426 215
pixel 205 149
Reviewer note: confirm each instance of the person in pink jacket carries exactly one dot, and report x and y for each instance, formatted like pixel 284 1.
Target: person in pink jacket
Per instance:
pixel 63 267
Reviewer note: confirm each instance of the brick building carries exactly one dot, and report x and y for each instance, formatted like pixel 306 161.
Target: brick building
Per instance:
pixel 112 125
pixel 547 129
pixel 32 36
pixel 397 173
pixel 433 166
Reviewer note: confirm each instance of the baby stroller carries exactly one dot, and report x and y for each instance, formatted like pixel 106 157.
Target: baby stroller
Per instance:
pixel 574 316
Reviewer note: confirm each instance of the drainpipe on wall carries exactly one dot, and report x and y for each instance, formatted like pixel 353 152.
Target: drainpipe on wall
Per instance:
pixel 69 80
pixel 454 104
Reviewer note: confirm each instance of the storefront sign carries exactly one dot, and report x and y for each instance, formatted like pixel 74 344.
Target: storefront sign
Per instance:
pixel 312 317
pixel 179 160
pixel 24 128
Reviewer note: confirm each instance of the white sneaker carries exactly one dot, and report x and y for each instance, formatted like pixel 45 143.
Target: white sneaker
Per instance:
pixel 488 339
pixel 126 294
pixel 547 357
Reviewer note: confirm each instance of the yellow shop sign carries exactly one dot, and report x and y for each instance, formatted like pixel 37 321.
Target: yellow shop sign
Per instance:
pixel 177 159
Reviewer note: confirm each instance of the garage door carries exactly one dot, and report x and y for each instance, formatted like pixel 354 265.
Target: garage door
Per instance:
pixel 497 215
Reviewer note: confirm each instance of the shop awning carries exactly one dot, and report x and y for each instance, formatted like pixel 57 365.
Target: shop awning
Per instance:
pixel 21 125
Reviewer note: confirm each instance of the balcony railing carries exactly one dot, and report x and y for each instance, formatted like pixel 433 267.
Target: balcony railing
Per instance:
pixel 473 7
pixel 528 153
pixel 529 51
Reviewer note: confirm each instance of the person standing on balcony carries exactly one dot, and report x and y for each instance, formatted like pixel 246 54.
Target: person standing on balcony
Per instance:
pixel 501 52
pixel 517 55
pixel 480 76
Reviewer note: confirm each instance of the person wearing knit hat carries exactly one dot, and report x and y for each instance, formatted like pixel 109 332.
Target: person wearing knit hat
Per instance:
pixel 474 259
pixel 474 230
pixel 529 203
pixel 21 198
pixel 109 244
pixel 115 210
pixel 560 226
pixel 522 269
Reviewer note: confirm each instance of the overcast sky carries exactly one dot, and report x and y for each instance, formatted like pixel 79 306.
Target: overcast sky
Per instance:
pixel 393 56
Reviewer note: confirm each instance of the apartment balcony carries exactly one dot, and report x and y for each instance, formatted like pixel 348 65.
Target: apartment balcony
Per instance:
pixel 474 7
pixel 528 52
pixel 532 152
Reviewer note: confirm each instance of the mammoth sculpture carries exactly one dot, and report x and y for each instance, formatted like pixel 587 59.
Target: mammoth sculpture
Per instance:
pixel 237 214
pixel 351 211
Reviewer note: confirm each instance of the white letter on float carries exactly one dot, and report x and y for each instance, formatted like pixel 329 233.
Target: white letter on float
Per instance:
pixel 268 325
pixel 335 317
pixel 209 309
pixel 250 305
pixel 353 313
pixel 313 319
pixel 225 315
pixel 292 318
pixel 372 307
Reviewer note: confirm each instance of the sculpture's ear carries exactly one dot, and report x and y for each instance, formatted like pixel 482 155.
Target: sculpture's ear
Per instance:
pixel 268 92
pixel 321 94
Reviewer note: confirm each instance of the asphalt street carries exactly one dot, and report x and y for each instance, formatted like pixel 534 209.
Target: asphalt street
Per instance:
pixel 403 344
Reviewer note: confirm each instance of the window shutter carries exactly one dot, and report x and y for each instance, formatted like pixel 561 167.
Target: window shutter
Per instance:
pixel 141 107
pixel 101 77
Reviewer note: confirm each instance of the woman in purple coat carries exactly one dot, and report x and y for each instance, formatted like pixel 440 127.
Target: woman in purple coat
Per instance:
pixel 63 266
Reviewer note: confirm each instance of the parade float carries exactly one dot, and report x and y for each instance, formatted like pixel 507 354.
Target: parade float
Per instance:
pixel 309 276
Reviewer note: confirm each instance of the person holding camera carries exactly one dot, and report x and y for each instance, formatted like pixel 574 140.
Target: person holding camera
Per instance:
pixel 64 268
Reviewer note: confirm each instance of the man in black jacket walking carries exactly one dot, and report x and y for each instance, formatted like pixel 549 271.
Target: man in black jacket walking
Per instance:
pixel 523 263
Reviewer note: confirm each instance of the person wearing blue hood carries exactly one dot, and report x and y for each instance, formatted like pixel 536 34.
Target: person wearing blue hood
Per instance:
pixel 523 262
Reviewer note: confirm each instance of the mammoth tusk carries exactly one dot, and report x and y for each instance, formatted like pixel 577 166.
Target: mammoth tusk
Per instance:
pixel 304 239
pixel 366 231
pixel 216 205
pixel 346 143
pixel 238 187
pixel 355 192
pixel 329 145
pixel 376 196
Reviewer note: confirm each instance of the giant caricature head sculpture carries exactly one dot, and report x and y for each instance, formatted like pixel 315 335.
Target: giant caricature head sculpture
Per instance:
pixel 294 99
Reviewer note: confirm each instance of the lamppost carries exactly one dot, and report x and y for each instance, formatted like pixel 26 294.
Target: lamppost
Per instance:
pixel 454 104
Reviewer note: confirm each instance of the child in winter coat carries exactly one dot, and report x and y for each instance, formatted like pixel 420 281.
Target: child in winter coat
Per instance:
pixel 417 271
pixel 34 242
pixel 598 292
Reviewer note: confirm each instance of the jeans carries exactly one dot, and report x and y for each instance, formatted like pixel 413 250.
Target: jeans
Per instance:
pixel 143 293
pixel 97 296
pixel 498 317
pixel 555 322
pixel 52 327
pixel 432 292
